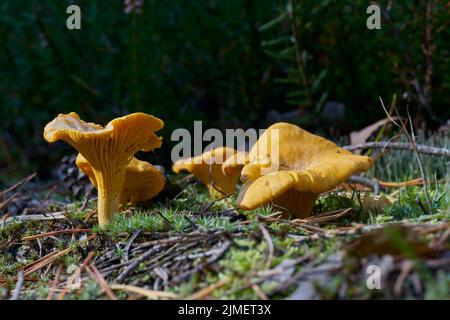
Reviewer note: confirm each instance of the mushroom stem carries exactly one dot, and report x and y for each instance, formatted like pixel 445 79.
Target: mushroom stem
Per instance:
pixel 109 186
pixel 107 206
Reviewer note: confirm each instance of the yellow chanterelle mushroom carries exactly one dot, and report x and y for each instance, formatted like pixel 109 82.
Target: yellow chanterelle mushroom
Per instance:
pixel 142 180
pixel 207 168
pixel 304 166
pixel 107 149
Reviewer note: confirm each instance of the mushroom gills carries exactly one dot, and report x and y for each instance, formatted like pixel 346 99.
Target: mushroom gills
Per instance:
pixel 295 204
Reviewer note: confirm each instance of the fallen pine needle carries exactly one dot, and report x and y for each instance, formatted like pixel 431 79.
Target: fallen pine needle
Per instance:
pixel 205 292
pixel 55 281
pixel 51 257
pixel 54 233
pixel 90 215
pixel 63 294
pixel 28 266
pixel 18 184
pixel 324 216
pixel 93 271
pixel 261 294
pixel 413 182
pixel 150 294
pixel 47 260
pixel 7 201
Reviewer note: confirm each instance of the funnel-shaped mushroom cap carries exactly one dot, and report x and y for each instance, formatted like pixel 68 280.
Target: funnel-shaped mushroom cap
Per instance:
pixel 207 168
pixel 107 149
pixel 142 182
pixel 235 163
pixel 290 167
pixel 129 134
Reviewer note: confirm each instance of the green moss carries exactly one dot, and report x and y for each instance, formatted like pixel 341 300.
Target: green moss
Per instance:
pixel 8 266
pixel 439 288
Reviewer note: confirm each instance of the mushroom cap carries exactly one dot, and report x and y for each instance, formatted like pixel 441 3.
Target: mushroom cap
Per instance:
pixel 119 140
pixel 86 168
pixel 305 163
pixel 235 163
pixel 207 168
pixel 142 182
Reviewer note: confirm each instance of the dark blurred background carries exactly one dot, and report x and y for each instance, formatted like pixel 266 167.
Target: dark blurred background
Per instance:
pixel 233 63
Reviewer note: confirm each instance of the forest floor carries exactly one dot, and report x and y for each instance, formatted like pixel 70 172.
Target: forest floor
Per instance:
pixel 356 245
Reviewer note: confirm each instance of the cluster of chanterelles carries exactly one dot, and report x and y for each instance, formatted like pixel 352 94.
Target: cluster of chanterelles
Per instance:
pixel 305 165
pixel 107 157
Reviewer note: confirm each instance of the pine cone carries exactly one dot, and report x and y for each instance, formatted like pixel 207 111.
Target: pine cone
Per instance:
pixel 75 181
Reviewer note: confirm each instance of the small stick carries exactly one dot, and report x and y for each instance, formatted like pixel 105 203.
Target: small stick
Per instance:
pixel 47 260
pixel 412 139
pixel 55 282
pixel 270 247
pixel 129 243
pixel 205 292
pixel 86 201
pixel 149 294
pixel 18 184
pixel 35 217
pixel 7 201
pixel 54 233
pixel 135 263
pixel 420 148
pixel 406 269
pixel 422 207
pixel 200 267
pixel 41 263
pixel 374 184
pixel 261 294
pixel 87 260
pixel 19 284
pixel 90 215
pixel 63 294
pixel 93 271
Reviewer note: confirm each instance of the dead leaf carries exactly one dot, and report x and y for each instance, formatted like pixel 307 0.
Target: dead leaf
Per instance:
pixel 397 240
pixel 375 204
pixel 361 136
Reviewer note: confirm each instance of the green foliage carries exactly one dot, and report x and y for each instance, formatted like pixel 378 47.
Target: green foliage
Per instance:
pixel 401 165
pixel 334 201
pixel 226 62
pixel 409 199
pixel 8 265
pixel 177 60
pixel 127 224
pixel 439 288
pixel 288 50
pixel 344 61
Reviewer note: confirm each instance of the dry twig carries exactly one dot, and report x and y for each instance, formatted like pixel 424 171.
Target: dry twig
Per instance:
pixel 434 151
pixel 16 293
